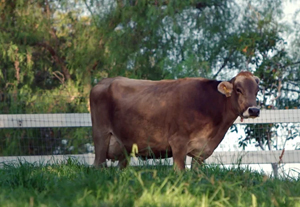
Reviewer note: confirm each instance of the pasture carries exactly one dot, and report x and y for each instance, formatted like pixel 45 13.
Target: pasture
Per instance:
pixel 74 184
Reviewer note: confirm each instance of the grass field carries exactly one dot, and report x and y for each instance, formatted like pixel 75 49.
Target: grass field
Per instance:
pixel 72 184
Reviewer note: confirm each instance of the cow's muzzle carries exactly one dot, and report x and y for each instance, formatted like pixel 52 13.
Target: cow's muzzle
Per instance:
pixel 251 112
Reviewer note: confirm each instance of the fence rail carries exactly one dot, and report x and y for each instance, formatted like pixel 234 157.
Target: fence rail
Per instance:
pixel 84 119
pixel 226 158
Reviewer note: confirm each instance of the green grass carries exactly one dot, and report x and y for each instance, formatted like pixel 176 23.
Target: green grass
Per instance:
pixel 72 184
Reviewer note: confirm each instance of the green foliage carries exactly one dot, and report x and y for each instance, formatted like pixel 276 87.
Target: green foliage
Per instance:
pixel 262 133
pixel 45 141
pixel 53 52
pixel 66 45
pixel 72 184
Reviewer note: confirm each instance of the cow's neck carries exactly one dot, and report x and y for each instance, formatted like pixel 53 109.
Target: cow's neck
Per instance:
pixel 230 114
pixel 224 110
pixel 224 115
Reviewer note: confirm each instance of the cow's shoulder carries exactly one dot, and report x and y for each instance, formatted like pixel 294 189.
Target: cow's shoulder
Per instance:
pixel 198 86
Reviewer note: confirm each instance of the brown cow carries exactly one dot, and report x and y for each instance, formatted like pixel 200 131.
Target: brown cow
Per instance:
pixel 167 118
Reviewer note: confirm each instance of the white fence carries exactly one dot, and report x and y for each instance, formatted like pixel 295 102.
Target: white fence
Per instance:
pixel 226 158
pixel 84 120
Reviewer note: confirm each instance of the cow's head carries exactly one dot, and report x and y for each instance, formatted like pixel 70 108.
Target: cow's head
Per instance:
pixel 242 91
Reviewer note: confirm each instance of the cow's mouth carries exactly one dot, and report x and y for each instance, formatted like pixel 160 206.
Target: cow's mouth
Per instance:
pixel 250 112
pixel 246 117
pixel 243 117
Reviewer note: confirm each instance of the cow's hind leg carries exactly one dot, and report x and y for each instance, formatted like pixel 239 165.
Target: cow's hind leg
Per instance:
pixel 101 106
pixel 101 142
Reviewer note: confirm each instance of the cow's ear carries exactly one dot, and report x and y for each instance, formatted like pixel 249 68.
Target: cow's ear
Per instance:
pixel 257 79
pixel 225 88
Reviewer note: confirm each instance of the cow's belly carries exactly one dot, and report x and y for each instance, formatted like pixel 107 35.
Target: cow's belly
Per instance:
pixel 151 149
pixel 155 146
pixel 149 134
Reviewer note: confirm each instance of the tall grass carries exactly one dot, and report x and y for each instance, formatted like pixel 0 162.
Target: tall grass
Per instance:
pixel 73 184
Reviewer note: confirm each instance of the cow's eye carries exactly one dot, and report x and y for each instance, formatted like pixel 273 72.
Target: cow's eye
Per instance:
pixel 239 90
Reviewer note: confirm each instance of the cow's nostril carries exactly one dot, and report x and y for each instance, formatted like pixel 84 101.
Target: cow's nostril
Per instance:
pixel 254 111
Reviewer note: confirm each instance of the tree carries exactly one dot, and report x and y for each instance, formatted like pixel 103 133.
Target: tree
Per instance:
pixel 278 68
pixel 53 52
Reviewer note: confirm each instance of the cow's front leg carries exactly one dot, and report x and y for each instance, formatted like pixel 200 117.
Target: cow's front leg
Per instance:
pixel 196 162
pixel 179 151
